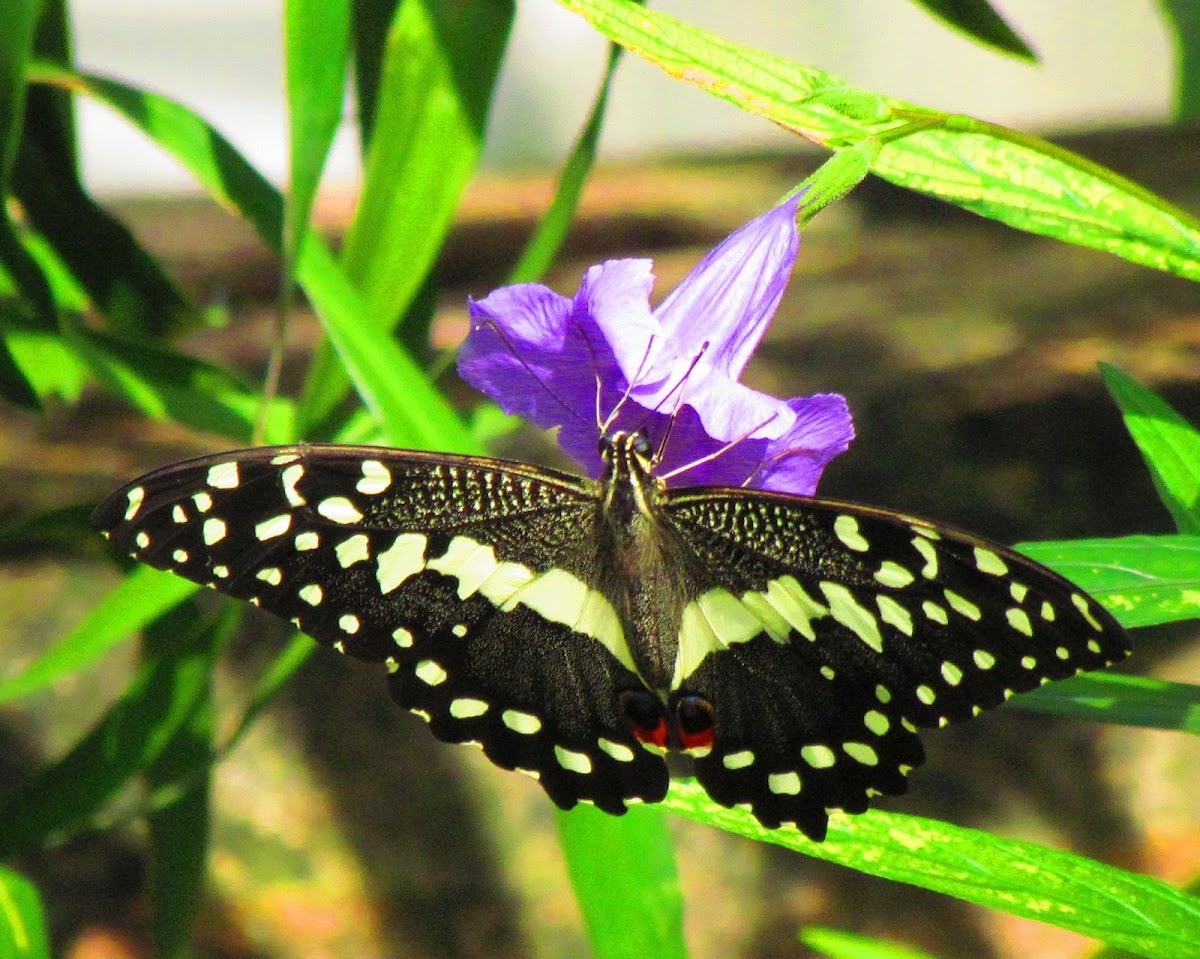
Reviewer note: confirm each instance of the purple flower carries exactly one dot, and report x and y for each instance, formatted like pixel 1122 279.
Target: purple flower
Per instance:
pixel 606 357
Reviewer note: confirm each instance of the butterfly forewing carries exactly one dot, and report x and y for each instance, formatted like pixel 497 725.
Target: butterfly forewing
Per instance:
pixel 436 566
pixel 840 628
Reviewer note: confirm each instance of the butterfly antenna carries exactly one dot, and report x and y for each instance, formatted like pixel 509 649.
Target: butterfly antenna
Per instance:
pixel 491 325
pixel 633 381
pixel 718 452
pixel 680 388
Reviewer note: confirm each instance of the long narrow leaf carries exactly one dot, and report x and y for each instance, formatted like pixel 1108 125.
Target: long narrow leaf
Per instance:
pixel 1120 699
pixel 1143 580
pixel 1169 444
pixel 624 875
pixel 400 395
pixel 546 241
pixel 141 597
pixel 178 832
pixel 995 172
pixel 160 701
pixel 438 72
pixel 980 21
pixel 1022 878
pixel 317 38
pixel 22 924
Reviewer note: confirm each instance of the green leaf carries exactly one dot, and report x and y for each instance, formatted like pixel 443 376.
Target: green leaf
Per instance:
pixel 18 26
pixel 1120 699
pixel 1169 444
pixel 979 20
pixel 1183 20
pixel 179 831
pixel 1142 580
pixel 372 18
pixel 439 71
pixel 163 698
pixel 317 40
pixel 624 876
pixel 46 360
pixel 401 397
pixel 141 597
pixel 1021 878
pixel 124 282
pixel 61 528
pixel 22 924
pixel 995 172
pixel 164 384
pixel 847 945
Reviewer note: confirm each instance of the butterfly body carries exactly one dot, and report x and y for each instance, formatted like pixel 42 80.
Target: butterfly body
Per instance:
pixel 577 629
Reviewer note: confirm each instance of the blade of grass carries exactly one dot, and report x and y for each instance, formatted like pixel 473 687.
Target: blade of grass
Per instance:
pixel 411 410
pixel 141 597
pixel 438 73
pixel 998 173
pixel 179 832
pixel 1169 444
pixel 22 924
pixel 980 21
pixel 846 945
pixel 625 880
pixel 1021 878
pixel 548 239
pixel 164 696
pixel 1120 699
pixel 1142 580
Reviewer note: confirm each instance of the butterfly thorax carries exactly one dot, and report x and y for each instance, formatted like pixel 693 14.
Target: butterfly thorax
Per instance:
pixel 641 559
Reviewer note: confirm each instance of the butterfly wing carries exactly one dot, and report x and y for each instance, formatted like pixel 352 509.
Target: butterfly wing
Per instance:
pixel 832 631
pixel 466 577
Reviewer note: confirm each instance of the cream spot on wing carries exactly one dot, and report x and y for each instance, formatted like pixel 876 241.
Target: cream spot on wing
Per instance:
pixel 275 526
pixel 224 476
pixel 404 558
pixel 375 479
pixel 988 562
pixel 136 497
pixel 291 476
pixel 338 509
pixel 784 784
pixel 356 549
pixel 430 673
pixel 214 531
pixel 845 527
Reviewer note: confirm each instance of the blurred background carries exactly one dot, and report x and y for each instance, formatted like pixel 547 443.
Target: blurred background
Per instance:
pixel 968 353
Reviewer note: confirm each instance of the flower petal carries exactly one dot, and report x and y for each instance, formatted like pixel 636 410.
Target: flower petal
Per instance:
pixel 795 461
pixel 731 295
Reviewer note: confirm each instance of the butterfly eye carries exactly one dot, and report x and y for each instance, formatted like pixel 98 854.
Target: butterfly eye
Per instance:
pixel 641 444
pixel 695 715
pixel 695 721
pixel 644 713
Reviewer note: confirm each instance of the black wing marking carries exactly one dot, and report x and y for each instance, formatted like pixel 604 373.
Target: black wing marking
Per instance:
pixel 363 549
pixel 902 623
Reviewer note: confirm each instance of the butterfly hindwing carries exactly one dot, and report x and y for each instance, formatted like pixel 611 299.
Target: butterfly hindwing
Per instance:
pixel 834 630
pixel 434 566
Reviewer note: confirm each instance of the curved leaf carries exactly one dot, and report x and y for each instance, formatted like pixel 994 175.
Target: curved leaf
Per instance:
pixel 1024 879
pixel 998 173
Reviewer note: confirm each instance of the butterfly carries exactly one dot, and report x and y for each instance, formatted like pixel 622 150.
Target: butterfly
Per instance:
pixel 580 630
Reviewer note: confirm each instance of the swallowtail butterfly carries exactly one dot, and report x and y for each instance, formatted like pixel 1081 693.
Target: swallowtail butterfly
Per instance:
pixel 580 629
